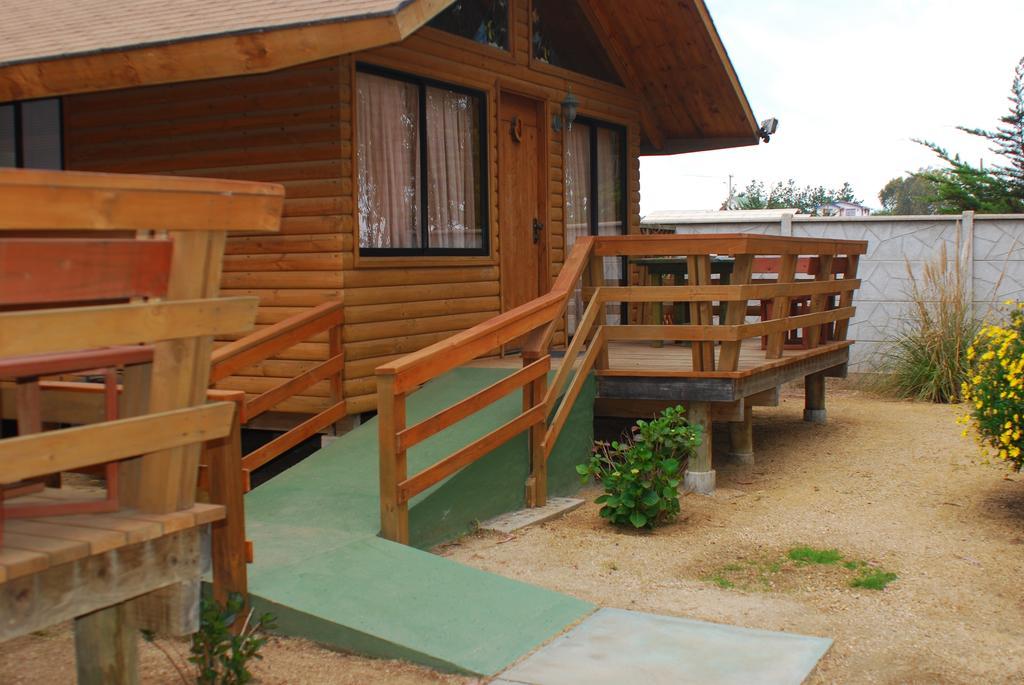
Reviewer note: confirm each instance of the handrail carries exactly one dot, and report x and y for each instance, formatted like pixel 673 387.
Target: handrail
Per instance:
pixel 264 344
pixel 546 407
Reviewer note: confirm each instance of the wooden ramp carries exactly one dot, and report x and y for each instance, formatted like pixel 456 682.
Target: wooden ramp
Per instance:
pixel 321 568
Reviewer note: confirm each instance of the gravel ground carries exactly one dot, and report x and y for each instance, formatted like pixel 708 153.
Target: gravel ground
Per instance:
pixel 889 483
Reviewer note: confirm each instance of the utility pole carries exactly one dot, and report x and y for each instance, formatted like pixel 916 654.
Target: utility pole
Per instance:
pixel 728 203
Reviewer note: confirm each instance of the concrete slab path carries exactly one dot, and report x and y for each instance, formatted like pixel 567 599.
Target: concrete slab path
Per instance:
pixel 613 646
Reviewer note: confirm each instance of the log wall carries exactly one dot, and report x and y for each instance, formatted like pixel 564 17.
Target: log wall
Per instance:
pixel 295 127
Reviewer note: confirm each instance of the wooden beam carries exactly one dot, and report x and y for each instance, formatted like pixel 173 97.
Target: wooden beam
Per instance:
pixel 77 328
pixel 66 591
pixel 414 485
pixel 106 652
pixel 29 456
pixel 87 201
pixel 261 49
pixel 419 432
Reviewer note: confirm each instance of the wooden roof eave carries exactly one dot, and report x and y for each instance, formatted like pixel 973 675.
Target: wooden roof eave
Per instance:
pixel 210 57
pixel 676 146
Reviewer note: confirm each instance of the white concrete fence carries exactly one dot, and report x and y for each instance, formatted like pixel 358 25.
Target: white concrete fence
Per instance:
pixel 991 247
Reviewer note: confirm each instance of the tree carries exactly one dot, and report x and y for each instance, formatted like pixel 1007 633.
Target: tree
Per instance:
pixel 910 194
pixel 788 195
pixel 1000 189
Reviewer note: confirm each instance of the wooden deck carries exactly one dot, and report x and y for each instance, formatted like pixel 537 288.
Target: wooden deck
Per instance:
pixel 640 371
pixel 34 545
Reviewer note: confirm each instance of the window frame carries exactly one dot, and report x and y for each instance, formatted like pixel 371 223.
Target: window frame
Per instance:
pixel 425 250
pixel 19 135
pixel 461 42
pixel 593 189
pixel 595 124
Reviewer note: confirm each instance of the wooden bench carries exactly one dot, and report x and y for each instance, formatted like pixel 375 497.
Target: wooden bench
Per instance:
pixel 119 273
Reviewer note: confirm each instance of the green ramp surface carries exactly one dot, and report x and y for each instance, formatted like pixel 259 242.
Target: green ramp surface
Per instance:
pixel 321 569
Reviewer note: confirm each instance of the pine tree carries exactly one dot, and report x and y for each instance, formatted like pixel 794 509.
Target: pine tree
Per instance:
pixel 963 186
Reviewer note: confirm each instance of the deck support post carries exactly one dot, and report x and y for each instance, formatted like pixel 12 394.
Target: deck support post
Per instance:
pixel 394 511
pixel 537 482
pixel 700 477
pixel 814 398
pixel 105 648
pixel 741 438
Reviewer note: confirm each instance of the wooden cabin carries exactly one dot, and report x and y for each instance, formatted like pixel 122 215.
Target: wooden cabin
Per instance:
pixel 439 158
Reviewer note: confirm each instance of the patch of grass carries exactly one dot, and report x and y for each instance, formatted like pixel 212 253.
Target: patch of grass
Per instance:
pixel 809 555
pixel 873 579
pixel 763 573
pixel 721 581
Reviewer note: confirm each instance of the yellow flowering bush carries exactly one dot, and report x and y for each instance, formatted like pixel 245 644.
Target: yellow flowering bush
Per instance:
pixel 994 390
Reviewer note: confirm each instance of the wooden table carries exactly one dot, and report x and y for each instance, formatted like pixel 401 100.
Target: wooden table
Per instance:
pixel 659 267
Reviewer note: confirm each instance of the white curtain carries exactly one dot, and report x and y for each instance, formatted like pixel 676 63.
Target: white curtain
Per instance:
pixel 453 170
pixel 387 155
pixel 577 201
pixel 609 205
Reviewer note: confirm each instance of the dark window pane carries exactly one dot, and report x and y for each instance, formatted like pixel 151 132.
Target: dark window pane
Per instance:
pixel 610 219
pixel 8 143
pixel 485 21
pixel 454 198
pixel 387 155
pixel 40 134
pixel 564 37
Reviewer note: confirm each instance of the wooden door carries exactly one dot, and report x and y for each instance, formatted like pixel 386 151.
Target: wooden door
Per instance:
pixel 522 235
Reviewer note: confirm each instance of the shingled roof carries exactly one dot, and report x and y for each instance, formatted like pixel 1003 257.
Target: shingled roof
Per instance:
pixel 34 30
pixel 667 51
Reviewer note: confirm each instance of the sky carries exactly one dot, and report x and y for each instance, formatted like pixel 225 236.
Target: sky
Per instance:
pixel 851 82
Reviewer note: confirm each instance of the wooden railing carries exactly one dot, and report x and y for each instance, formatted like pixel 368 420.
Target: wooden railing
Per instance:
pixel 262 345
pixel 764 268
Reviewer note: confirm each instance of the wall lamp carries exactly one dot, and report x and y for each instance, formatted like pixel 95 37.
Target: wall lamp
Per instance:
pixel 768 127
pixel 570 107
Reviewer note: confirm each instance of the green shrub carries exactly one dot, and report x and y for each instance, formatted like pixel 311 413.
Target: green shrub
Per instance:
pixel 219 656
pixel 810 555
pixel 995 390
pixel 641 475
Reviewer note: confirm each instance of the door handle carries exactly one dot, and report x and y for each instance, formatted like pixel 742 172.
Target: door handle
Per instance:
pixel 538 226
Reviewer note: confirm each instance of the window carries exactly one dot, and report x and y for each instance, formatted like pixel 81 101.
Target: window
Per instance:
pixel 595 196
pixel 30 134
pixel 563 36
pixel 484 21
pixel 420 150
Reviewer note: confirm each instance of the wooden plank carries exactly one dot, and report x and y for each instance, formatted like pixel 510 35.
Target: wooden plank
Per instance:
pixel 30 456
pixel 223 456
pixel 295 386
pixel 736 313
pixel 304 430
pixel 63 592
pixel 105 648
pixel 59 551
pixel 228 359
pixel 446 417
pixel 74 200
pixel 846 296
pixel 34 271
pixel 670 245
pixel 99 540
pixel 812 335
pixel 78 328
pixel 569 399
pixel 780 306
pixel 709 293
pixel 21 562
pixel 393 467
pixel 410 487
pixel 418 367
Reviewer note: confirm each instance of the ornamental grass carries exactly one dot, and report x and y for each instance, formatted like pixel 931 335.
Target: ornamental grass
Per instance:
pixel 995 389
pixel 927 358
